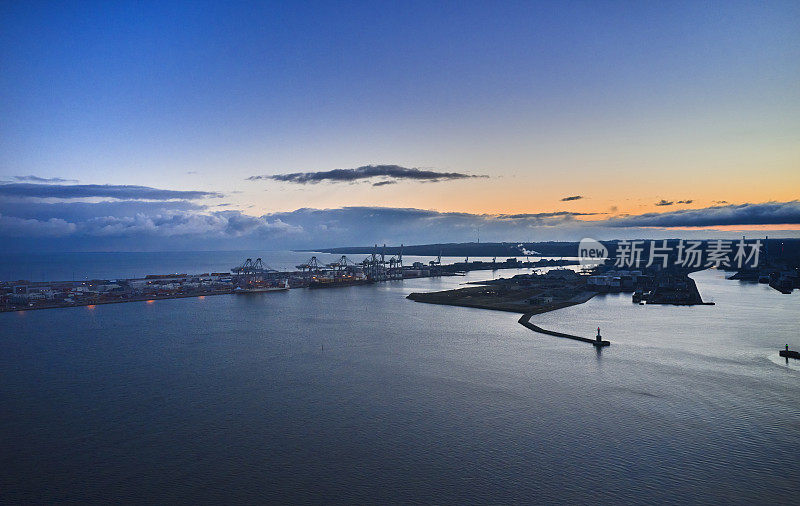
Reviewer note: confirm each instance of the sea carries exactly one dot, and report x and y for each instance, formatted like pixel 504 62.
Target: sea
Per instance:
pixel 359 395
pixel 74 266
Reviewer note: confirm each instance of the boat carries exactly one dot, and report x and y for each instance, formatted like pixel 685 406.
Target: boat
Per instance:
pixel 239 289
pixel 320 282
pixel 262 289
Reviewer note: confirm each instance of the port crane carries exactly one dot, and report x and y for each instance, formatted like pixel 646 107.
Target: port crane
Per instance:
pixel 312 265
pixel 378 268
pixel 251 271
pixel 341 266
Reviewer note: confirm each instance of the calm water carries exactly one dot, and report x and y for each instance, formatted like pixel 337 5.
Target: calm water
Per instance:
pixel 113 265
pixel 358 395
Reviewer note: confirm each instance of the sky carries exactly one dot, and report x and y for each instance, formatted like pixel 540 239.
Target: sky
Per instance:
pixel 225 125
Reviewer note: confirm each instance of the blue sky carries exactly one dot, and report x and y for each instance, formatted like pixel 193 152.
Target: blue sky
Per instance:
pixel 624 103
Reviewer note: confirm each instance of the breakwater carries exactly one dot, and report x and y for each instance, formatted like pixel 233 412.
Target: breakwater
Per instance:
pixel 525 322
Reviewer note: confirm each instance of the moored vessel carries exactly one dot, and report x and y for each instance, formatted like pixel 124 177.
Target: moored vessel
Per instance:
pixel 259 288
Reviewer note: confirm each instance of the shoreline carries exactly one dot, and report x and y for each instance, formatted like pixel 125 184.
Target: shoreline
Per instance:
pixel 211 284
pixel 123 301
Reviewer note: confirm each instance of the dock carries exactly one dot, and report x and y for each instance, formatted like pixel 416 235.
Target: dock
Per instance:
pixel 525 322
pixel 252 276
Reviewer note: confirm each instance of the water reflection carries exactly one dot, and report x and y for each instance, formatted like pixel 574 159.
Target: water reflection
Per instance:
pixel 300 397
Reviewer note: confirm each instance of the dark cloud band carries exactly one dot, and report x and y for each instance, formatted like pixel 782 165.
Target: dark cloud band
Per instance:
pixel 556 214
pixel 81 191
pixel 390 172
pixel 37 179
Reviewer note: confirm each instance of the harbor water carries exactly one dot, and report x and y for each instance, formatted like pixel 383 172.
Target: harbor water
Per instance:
pixel 117 265
pixel 358 395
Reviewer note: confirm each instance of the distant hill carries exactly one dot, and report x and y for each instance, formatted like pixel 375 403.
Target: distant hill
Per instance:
pixel 784 249
pixel 474 249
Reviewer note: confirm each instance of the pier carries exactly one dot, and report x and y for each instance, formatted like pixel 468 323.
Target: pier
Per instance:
pixel 525 322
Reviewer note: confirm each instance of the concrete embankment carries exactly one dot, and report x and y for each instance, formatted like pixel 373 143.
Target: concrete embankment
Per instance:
pixel 525 321
pixel 118 301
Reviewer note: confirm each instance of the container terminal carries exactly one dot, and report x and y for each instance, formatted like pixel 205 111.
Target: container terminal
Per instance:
pixel 251 277
pixel 519 294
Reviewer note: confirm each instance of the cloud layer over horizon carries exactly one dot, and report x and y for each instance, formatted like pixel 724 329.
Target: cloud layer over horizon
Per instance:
pixel 767 213
pixel 144 218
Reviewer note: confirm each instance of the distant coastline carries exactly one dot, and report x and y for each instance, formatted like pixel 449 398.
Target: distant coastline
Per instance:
pixel 120 301
pixel 789 248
